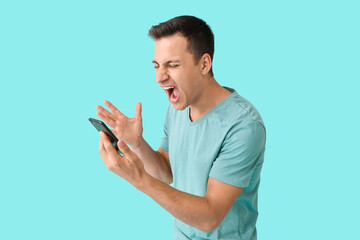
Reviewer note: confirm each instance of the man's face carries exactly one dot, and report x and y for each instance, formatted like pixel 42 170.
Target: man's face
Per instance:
pixel 176 71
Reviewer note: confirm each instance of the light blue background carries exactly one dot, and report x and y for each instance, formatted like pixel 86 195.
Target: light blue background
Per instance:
pixel 296 61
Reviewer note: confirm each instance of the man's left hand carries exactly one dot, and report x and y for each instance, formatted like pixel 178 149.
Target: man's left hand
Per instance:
pixel 129 166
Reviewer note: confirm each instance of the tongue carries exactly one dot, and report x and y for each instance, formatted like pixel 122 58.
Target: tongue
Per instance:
pixel 174 95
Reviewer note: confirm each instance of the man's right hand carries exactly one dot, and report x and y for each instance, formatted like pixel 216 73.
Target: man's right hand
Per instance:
pixel 126 129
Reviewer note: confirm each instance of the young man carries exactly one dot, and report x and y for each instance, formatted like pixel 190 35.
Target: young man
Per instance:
pixel 212 149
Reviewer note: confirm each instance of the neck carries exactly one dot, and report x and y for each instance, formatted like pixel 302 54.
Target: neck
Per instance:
pixel 211 95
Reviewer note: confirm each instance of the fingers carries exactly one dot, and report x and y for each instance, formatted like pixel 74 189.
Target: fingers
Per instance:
pixel 124 148
pixel 138 109
pixel 102 150
pixel 108 147
pixel 101 145
pixel 108 153
pixel 106 116
pixel 113 108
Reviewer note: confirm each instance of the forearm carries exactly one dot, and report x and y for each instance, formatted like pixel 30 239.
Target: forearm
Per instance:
pixel 154 162
pixel 196 211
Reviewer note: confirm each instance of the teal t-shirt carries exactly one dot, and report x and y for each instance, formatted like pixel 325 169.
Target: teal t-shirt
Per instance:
pixel 227 144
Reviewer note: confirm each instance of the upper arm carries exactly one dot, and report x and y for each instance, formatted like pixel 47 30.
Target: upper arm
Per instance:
pixel 221 197
pixel 240 154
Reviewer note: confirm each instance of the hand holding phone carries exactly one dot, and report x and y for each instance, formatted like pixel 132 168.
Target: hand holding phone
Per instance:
pixel 101 126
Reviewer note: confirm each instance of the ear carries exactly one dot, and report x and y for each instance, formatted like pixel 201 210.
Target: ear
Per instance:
pixel 205 64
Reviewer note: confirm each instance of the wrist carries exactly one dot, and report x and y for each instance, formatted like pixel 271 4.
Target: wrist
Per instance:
pixel 146 182
pixel 138 145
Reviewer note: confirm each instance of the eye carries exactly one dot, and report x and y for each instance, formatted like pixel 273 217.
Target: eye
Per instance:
pixel 173 66
pixel 155 66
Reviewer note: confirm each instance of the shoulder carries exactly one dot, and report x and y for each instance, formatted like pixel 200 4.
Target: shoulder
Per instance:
pixel 238 111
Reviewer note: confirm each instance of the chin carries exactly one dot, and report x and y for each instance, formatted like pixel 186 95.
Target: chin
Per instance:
pixel 178 106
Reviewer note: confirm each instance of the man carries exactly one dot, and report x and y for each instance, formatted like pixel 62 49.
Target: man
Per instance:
pixel 212 149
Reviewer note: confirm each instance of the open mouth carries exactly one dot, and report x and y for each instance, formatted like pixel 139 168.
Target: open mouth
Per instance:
pixel 169 90
pixel 173 94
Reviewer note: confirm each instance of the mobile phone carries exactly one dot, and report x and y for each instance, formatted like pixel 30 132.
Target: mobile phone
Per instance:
pixel 101 126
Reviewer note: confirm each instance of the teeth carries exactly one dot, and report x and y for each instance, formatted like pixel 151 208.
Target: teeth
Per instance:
pixel 166 88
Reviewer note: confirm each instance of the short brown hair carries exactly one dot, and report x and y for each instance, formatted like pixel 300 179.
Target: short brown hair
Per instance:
pixel 199 35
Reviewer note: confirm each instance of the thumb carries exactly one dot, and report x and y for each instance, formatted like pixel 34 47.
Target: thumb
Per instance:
pixel 123 147
pixel 138 108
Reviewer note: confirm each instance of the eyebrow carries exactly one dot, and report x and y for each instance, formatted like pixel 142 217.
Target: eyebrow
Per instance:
pixel 168 62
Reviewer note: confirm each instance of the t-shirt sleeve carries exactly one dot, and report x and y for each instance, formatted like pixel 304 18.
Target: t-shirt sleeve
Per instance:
pixel 164 144
pixel 239 154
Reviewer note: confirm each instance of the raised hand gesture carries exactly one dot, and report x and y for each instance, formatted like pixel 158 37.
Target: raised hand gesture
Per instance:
pixel 127 129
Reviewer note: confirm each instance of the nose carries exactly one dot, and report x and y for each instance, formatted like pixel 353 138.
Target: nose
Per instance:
pixel 161 75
